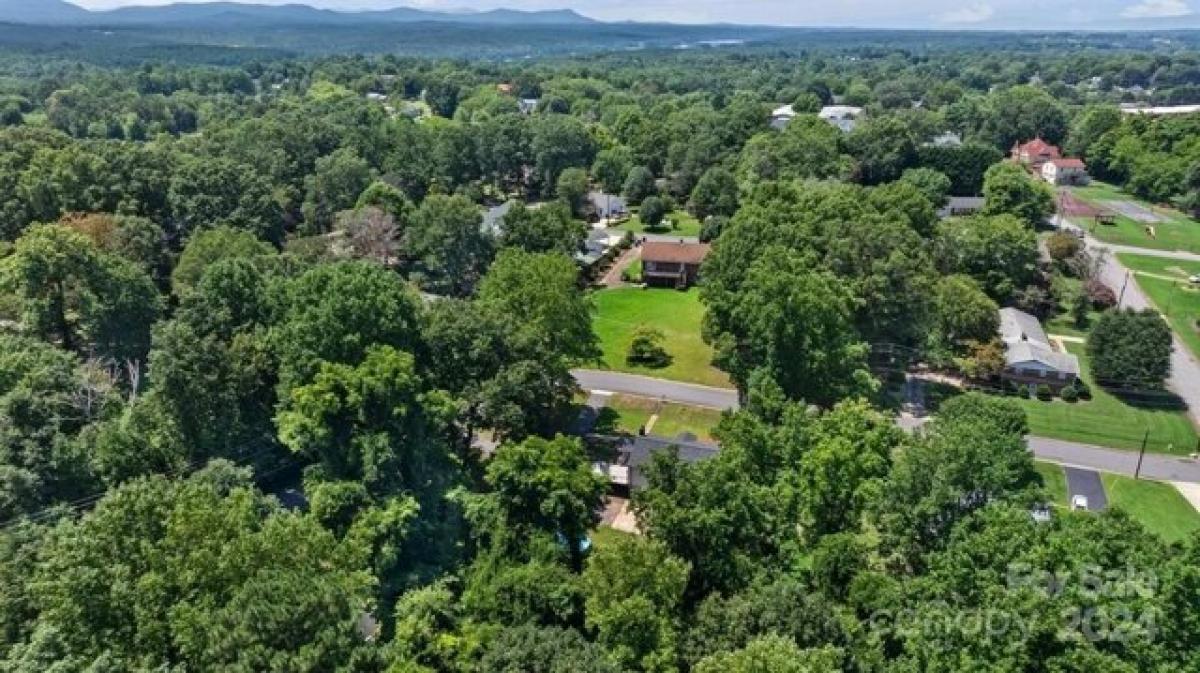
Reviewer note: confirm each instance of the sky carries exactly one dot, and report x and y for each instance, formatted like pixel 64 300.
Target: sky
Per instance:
pixel 949 14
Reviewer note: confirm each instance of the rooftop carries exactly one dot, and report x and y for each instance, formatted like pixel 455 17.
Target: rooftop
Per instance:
pixel 1038 147
pixel 1026 341
pixel 675 253
pixel 1068 163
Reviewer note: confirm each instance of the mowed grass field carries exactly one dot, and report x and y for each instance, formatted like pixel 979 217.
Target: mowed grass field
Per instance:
pixel 1176 232
pixel 1157 505
pixel 1165 282
pixel 1106 420
pixel 678 314
pixel 628 414
pixel 676 223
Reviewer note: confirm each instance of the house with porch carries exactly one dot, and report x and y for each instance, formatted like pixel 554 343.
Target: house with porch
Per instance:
pixel 672 264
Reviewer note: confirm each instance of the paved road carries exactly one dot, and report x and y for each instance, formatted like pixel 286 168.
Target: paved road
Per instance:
pixel 661 238
pixel 1086 483
pixel 1154 466
pixel 645 386
pixel 1185 372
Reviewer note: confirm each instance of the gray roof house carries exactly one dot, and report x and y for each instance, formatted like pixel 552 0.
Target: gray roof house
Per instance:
pixel 1028 354
pixel 608 206
pixel 493 218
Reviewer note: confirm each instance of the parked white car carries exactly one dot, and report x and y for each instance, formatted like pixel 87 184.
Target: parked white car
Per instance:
pixel 1079 502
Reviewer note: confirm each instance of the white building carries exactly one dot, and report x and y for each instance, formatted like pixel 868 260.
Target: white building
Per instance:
pixel 1065 172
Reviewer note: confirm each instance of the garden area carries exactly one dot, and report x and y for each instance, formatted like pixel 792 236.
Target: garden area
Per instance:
pixel 1173 230
pixel 1156 505
pixel 1165 282
pixel 620 314
pixel 1112 421
pixel 628 414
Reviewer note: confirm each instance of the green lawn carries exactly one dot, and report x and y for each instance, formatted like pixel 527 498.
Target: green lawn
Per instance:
pixel 628 414
pixel 625 414
pixel 1055 481
pixel 1177 299
pixel 677 314
pixel 676 419
pixel 1158 506
pixel 1063 323
pixel 677 222
pixel 1108 421
pixel 1178 232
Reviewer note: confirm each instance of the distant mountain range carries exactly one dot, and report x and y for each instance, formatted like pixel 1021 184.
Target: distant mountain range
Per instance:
pixel 60 12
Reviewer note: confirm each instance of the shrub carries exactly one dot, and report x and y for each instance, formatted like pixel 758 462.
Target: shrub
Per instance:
pixel 1101 295
pixel 1063 246
pixel 647 348
pixel 1082 389
pixel 1044 393
pixel 1069 394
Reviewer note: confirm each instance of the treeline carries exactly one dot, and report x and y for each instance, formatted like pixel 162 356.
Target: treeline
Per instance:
pixel 214 281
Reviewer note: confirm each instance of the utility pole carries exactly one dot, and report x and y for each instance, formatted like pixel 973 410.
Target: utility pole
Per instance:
pixel 1137 472
pixel 1123 286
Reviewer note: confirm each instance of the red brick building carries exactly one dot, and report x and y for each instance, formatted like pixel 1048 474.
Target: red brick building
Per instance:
pixel 1035 153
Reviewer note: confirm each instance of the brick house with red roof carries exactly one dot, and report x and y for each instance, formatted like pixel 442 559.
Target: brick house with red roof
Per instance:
pixel 672 264
pixel 1035 153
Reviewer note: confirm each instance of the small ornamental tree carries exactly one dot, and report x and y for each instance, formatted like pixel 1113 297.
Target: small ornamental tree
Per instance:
pixel 1101 295
pixel 647 348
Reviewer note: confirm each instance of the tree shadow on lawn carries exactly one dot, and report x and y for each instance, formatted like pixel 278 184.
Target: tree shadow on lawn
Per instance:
pixel 1147 399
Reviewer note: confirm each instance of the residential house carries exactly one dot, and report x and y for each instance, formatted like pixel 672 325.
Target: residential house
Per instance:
pixel 1065 172
pixel 493 218
pixel 599 248
pixel 947 139
pixel 672 264
pixel 845 117
pixel 961 206
pixel 1035 153
pixel 1160 110
pixel 607 206
pixel 1030 359
pixel 527 106
pixel 782 116
pixel 627 471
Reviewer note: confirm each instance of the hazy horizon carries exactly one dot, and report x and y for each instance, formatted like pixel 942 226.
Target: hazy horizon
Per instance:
pixel 946 14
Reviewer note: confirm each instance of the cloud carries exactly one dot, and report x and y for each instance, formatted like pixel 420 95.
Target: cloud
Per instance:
pixel 978 13
pixel 1157 9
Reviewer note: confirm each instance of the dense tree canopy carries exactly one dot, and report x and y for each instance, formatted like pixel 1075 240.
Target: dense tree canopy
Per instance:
pixel 278 394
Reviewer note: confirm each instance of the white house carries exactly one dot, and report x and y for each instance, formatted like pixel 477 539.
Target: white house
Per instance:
pixel 1065 172
pixel 1029 356
pixel 845 117
pixel 781 116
